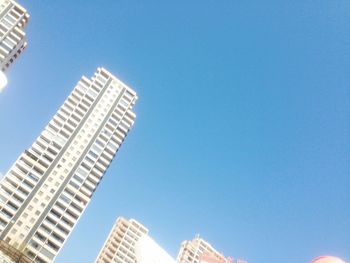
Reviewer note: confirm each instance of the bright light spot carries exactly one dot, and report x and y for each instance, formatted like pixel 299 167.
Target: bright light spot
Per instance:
pixel 148 251
pixel 328 259
pixel 3 80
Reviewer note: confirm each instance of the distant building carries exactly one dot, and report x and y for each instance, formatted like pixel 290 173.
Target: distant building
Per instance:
pixel 128 242
pixel 49 186
pixel 200 251
pixel 13 19
pixel 191 251
pixel 119 246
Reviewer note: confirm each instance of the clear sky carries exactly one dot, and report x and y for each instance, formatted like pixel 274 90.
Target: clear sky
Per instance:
pixel 242 130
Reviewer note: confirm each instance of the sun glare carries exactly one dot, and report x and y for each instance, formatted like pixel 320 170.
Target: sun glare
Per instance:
pixel 328 259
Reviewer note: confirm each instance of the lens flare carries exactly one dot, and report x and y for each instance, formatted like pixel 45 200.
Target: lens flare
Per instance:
pixel 328 259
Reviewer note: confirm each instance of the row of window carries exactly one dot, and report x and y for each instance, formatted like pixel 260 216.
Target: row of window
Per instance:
pixel 87 184
pixel 6 61
pixel 9 32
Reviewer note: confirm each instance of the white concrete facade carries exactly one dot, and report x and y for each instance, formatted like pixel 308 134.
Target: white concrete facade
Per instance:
pixel 119 246
pixel 47 189
pixel 13 19
pixel 192 252
pixel 128 242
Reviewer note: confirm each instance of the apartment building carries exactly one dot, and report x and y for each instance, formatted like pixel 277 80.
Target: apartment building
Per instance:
pixel 119 246
pixel 129 242
pixel 200 251
pixel 190 251
pixel 13 19
pixel 49 186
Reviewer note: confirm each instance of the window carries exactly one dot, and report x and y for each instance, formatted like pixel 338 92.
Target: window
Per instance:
pixel 64 198
pixel 33 177
pixel 34 244
pixel 48 254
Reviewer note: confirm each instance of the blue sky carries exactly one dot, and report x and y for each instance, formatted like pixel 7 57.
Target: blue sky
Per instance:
pixel 242 130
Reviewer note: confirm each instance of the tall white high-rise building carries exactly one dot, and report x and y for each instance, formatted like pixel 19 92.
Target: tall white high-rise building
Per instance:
pixel 13 19
pixel 47 189
pixel 119 246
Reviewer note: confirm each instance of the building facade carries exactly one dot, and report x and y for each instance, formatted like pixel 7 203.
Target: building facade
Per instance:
pixel 119 246
pixel 9 254
pixel 47 189
pixel 200 251
pixel 13 19
pixel 191 251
